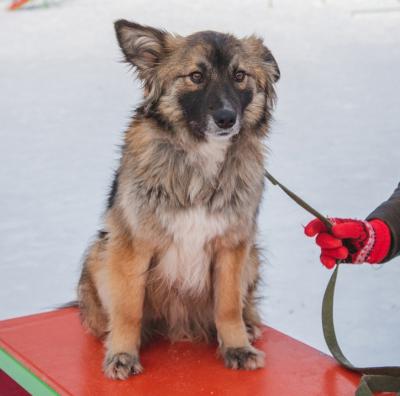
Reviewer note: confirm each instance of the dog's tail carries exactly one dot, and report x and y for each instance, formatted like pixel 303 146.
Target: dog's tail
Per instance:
pixel 69 304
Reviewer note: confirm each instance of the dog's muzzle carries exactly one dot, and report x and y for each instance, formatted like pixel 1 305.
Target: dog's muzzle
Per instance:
pixel 223 124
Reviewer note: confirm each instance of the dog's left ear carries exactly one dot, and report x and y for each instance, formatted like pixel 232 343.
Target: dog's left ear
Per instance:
pixel 270 60
pixel 256 45
pixel 142 46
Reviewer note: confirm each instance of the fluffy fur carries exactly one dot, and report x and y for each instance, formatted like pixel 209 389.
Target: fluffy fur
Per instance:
pixel 177 256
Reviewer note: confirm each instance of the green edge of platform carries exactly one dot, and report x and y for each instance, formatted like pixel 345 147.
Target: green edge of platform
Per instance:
pixel 23 376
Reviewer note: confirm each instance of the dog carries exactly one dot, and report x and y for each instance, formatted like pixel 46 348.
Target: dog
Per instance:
pixel 177 257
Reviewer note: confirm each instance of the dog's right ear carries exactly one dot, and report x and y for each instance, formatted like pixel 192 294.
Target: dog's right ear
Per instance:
pixel 142 46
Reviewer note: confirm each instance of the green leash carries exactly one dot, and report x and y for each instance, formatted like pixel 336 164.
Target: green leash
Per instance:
pixel 374 379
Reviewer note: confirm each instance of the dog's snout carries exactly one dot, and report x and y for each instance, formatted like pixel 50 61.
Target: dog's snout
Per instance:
pixel 224 118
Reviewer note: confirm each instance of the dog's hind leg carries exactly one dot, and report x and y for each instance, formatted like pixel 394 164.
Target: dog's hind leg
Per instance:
pixel 92 313
pixel 251 316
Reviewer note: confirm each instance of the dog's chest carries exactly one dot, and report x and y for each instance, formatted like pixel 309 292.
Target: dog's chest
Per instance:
pixel 186 262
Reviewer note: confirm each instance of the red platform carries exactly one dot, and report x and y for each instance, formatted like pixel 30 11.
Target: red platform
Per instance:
pixel 55 348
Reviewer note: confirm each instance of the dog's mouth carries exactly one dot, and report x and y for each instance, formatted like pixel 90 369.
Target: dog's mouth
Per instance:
pixel 221 136
pixel 213 131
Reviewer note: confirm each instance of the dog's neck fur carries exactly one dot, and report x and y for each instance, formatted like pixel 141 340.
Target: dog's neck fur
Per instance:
pixel 177 174
pixel 209 155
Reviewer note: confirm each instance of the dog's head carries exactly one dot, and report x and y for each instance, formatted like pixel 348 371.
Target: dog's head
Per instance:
pixel 209 83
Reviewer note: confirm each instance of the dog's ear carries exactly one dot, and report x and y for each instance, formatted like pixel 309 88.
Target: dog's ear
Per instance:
pixel 142 46
pixel 256 45
pixel 270 60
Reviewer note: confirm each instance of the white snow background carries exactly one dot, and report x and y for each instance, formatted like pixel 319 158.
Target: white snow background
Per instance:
pixel 65 100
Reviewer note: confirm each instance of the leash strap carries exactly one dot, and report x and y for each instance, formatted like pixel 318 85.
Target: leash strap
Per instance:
pixel 374 379
pixel 298 200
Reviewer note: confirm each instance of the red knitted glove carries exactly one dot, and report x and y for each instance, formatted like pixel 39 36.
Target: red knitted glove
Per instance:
pixel 353 241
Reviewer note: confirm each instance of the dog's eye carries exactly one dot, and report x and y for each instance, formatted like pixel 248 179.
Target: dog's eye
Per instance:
pixel 196 77
pixel 239 76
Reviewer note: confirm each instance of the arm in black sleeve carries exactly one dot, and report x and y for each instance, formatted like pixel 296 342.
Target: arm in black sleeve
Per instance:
pixel 389 212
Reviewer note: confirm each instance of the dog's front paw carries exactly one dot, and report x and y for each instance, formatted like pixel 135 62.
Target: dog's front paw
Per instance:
pixel 121 365
pixel 245 358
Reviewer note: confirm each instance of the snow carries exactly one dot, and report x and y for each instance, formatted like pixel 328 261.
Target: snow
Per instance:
pixel 65 100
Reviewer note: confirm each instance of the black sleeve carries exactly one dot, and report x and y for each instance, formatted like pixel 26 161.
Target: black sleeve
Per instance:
pixel 389 212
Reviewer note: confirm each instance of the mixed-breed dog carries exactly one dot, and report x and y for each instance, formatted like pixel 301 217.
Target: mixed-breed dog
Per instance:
pixel 177 256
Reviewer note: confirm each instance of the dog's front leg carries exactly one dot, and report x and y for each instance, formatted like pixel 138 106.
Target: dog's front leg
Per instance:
pixel 234 344
pixel 127 265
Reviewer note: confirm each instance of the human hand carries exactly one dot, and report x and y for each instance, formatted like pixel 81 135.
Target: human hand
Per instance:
pixel 350 240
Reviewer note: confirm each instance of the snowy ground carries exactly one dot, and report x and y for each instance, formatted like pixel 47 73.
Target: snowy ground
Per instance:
pixel 65 100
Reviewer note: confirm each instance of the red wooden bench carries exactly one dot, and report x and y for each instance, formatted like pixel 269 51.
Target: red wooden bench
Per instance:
pixel 50 353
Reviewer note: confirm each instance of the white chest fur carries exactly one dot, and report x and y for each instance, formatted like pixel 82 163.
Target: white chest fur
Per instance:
pixel 209 155
pixel 186 262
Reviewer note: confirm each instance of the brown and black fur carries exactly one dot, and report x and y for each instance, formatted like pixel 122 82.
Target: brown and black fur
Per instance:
pixel 177 256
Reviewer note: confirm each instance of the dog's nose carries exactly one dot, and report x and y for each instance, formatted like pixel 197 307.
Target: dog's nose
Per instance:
pixel 224 118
